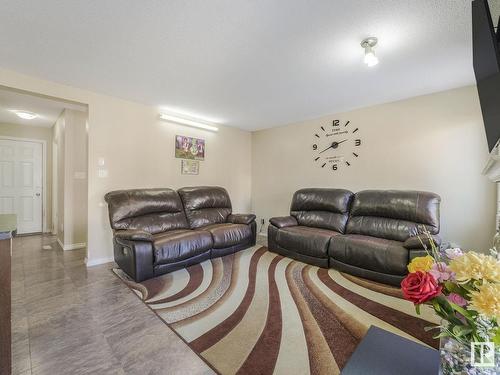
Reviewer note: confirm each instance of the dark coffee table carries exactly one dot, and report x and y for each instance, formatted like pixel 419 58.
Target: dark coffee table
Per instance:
pixel 384 353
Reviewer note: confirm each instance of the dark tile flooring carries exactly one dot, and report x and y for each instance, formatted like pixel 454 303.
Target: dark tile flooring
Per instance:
pixel 70 319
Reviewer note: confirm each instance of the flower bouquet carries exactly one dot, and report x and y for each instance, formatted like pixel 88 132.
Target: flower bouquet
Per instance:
pixel 463 288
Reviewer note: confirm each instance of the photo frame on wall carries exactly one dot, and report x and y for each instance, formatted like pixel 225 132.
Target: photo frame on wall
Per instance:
pixel 189 148
pixel 191 167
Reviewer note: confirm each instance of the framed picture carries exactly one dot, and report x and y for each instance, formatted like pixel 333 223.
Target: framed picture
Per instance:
pixel 190 166
pixel 189 148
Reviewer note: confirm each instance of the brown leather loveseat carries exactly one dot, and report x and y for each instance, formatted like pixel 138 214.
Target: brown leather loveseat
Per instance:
pixel 372 234
pixel 156 231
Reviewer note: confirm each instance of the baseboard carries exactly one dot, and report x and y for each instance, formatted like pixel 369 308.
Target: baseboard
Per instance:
pixel 73 246
pixel 96 262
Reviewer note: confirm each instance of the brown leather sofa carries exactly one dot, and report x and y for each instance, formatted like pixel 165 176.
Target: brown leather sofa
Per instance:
pixel 156 231
pixel 372 234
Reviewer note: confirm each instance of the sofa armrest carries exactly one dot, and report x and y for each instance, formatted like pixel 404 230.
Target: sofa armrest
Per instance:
pixel 421 241
pixel 241 218
pixel 134 235
pixel 283 221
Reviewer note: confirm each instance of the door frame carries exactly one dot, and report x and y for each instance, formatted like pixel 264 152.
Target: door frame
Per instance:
pixel 44 173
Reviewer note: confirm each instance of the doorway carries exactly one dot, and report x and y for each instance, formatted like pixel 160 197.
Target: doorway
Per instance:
pixel 22 182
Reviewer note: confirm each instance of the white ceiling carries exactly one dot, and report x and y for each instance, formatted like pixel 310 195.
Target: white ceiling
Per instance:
pixel 246 63
pixel 47 109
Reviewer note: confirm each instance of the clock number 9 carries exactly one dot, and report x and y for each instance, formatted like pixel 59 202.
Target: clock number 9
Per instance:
pixel 334 167
pixel 315 147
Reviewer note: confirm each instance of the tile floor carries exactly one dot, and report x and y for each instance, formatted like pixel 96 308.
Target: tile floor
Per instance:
pixel 69 319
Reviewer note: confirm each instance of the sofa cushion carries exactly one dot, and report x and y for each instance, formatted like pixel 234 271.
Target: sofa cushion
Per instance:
pixel 322 208
pixel 149 210
pixel 394 214
pixel 376 254
pixel 227 234
pixel 205 205
pixel 178 245
pixel 305 240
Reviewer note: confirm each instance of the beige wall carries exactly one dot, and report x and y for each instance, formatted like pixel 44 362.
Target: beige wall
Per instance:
pixel 59 140
pixel 70 138
pixel 75 178
pixel 138 150
pixel 43 134
pixel 434 142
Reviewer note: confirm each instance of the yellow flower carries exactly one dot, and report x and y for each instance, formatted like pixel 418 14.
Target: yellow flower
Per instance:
pixel 423 264
pixel 486 301
pixel 476 266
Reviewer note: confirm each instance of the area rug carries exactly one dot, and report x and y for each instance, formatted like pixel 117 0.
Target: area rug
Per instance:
pixel 256 312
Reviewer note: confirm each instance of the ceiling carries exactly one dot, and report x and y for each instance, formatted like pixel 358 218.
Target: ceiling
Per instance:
pixel 249 64
pixel 47 109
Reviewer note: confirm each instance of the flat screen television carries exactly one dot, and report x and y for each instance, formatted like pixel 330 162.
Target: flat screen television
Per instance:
pixel 486 55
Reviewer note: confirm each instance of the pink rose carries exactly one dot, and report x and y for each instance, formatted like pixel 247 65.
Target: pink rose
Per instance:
pixel 457 299
pixel 454 253
pixel 441 272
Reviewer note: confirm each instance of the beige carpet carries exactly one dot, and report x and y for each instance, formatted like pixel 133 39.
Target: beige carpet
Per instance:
pixel 257 312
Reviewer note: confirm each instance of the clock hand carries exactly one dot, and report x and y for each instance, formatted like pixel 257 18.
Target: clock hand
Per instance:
pixel 334 145
pixel 326 149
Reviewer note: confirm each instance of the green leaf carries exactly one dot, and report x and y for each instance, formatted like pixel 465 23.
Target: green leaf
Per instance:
pixel 462 330
pixel 417 309
pixel 496 338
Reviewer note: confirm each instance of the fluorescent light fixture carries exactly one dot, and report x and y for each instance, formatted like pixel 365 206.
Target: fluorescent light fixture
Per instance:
pixel 368 44
pixel 184 120
pixel 25 115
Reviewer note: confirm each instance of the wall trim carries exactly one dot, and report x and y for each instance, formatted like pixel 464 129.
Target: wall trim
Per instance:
pixel 73 246
pixel 98 261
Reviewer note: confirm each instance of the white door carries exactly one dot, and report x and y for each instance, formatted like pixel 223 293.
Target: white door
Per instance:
pixel 21 183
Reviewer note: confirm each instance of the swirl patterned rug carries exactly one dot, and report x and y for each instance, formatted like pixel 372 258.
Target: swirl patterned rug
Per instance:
pixel 256 312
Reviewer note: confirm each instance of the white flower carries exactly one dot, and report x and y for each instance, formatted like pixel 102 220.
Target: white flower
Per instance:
pixel 454 253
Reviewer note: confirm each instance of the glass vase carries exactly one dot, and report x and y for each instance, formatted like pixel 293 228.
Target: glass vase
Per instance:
pixel 456 359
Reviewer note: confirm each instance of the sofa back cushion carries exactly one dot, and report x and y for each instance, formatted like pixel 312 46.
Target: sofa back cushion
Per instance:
pixel 322 208
pixel 394 214
pixel 205 205
pixel 151 210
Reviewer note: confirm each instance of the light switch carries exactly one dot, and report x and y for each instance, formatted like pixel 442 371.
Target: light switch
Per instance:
pixel 103 173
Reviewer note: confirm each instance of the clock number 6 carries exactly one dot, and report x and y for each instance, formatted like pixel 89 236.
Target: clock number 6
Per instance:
pixel 334 167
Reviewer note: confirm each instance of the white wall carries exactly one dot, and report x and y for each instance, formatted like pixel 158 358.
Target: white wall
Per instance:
pixel 434 142
pixel 138 150
pixel 59 180
pixel 70 138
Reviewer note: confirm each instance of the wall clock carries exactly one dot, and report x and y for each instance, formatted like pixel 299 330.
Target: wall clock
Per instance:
pixel 336 145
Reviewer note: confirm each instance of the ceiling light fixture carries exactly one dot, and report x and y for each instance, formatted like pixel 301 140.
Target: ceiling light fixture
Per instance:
pixel 188 121
pixel 368 44
pixel 25 115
